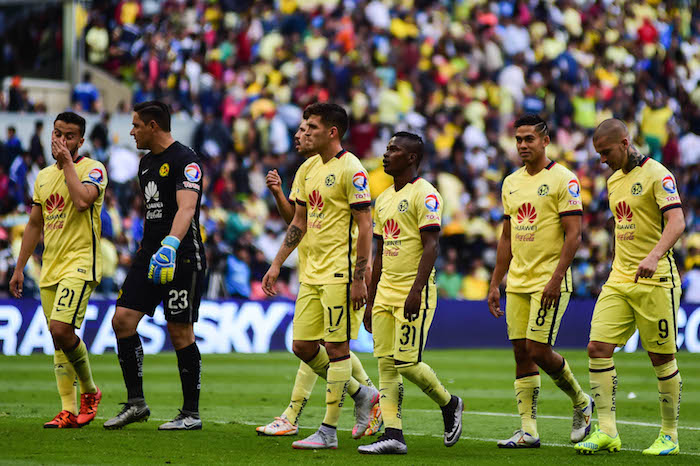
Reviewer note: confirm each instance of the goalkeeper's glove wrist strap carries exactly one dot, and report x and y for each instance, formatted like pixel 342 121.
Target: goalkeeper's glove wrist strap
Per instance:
pixel 171 241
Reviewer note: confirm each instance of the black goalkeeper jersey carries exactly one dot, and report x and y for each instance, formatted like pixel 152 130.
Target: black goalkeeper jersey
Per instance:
pixel 161 176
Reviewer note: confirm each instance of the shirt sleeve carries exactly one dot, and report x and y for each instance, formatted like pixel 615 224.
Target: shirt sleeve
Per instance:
pixel 504 200
pixel 97 176
pixel 376 226
pixel 36 195
pixel 666 191
pixel 357 185
pixel 429 209
pixel 569 197
pixel 189 174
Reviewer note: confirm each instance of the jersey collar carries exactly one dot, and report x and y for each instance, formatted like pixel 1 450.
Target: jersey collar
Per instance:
pixel 340 154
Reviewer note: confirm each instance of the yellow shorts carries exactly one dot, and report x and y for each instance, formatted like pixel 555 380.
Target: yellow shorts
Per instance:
pixel 526 319
pixel 394 336
pixel 67 300
pixel 324 312
pixel 624 307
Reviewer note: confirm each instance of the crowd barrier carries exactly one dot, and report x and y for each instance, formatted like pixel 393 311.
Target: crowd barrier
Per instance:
pixel 259 327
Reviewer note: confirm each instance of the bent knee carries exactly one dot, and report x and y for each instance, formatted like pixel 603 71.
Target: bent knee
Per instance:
pixel 305 350
pixel 598 349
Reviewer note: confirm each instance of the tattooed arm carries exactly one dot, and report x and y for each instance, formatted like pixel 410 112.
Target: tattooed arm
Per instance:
pixel 358 290
pixel 295 233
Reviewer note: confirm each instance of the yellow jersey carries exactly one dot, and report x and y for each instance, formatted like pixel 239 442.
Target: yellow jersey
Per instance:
pixel 534 205
pixel 638 201
pixel 399 218
pixel 301 249
pixel 328 191
pixel 71 238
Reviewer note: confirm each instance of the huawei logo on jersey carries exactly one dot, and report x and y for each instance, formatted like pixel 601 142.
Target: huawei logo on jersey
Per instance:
pixel 391 229
pixel 54 202
pixel 527 213
pixel 151 192
pixel 623 212
pixel 315 200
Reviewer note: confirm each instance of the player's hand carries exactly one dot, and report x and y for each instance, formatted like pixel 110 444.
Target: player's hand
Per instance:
pixel 368 318
pixel 273 182
pixel 647 268
pixel 551 293
pixel 494 299
pixel 358 294
pixel 60 151
pixel 269 280
pixel 161 270
pixel 411 307
pixel 16 283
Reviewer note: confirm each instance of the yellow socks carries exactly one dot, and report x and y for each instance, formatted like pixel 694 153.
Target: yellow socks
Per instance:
pixel 337 385
pixel 604 388
pixel 670 385
pixel 78 357
pixel 65 381
pixel 423 376
pixel 566 381
pixel 527 391
pixel 391 390
pixel 303 385
pixel 358 372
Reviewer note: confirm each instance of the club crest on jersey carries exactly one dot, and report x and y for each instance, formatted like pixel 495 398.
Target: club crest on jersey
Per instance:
pixel 574 188
pixel 636 189
pixel 330 180
pixel 164 170
pixel 359 180
pixel 623 212
pixel 403 206
pixel 668 184
pixel 96 175
pixel 432 203
pixel 527 213
pixel 543 190
pixel 193 173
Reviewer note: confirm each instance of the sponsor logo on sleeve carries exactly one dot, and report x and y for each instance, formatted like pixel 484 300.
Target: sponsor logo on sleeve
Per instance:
pixel 432 203
pixel 359 180
pixel 574 188
pixel 96 175
pixel 669 184
pixel 193 173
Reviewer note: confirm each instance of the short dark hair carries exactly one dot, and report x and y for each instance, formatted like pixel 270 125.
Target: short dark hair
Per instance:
pixel 415 140
pixel 74 119
pixel 533 119
pixel 331 115
pixel 154 111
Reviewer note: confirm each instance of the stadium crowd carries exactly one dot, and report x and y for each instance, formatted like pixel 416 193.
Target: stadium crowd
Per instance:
pixel 456 72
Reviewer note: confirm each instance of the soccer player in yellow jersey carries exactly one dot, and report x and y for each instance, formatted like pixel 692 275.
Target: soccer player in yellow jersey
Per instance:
pixel 333 211
pixel 66 206
pixel 643 289
pixel 288 422
pixel 541 232
pixel 403 294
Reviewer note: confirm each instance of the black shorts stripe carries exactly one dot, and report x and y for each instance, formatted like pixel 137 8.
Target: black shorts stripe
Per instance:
pixel 529 374
pixel 347 311
pixel 422 326
pixel 673 284
pixel 80 300
pixel 669 376
pixel 611 368
pixel 347 286
pixel 554 322
pixel 190 298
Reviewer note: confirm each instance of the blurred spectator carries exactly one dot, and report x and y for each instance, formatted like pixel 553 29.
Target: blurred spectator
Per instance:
pixel 36 147
pixel 99 137
pixel 449 281
pixel 97 41
pixel 238 273
pixel 86 95
pixel 13 146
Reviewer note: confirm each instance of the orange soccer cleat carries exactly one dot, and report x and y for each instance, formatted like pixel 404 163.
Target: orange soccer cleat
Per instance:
pixel 63 420
pixel 88 407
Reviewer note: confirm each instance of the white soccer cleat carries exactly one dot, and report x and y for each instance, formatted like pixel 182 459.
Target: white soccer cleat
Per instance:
pixel 519 439
pixel 364 403
pixel 452 419
pixel 319 440
pixel 280 426
pixel 581 425
pixel 384 446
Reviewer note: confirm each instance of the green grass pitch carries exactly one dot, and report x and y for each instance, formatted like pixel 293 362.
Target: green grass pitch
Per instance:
pixel 241 391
